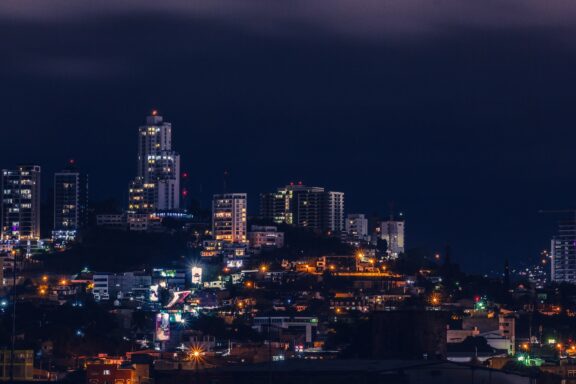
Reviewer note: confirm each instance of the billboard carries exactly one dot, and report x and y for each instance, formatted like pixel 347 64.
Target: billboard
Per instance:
pixel 196 275
pixel 162 327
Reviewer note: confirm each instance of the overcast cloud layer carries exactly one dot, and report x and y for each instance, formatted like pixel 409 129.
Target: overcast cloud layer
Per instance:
pixel 368 18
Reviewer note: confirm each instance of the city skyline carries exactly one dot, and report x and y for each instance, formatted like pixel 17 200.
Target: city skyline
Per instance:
pixel 456 124
pixel 223 181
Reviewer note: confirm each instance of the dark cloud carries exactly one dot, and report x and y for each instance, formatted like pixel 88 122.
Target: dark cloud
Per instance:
pixel 366 18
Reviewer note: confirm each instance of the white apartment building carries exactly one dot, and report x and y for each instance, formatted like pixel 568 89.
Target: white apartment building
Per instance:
pixel 229 212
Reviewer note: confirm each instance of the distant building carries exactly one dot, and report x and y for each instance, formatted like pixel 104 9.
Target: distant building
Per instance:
pixel 356 226
pixel 141 196
pixel 300 329
pixel 156 187
pixel 265 237
pixel 302 206
pixel 142 222
pixel 111 220
pixel 70 203
pixel 563 254
pixel 23 365
pixel 392 231
pixel 169 278
pixel 113 371
pixel 231 253
pixel 112 286
pixel 21 203
pixel 229 213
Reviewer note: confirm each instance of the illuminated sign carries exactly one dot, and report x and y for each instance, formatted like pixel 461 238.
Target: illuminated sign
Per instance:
pixel 162 327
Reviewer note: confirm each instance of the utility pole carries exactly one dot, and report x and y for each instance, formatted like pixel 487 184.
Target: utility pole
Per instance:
pixel 13 336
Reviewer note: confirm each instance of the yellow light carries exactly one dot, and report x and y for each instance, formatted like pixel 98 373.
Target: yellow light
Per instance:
pixel 435 298
pixel 63 282
pixel 44 278
pixel 196 354
pixel 263 268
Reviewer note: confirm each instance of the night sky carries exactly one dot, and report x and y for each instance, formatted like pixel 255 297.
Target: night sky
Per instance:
pixel 461 113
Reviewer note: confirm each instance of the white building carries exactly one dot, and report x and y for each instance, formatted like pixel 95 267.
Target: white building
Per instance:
pixel 334 211
pixel 157 184
pixel 357 226
pixel 265 237
pixel 392 231
pixel 20 213
pixel 229 218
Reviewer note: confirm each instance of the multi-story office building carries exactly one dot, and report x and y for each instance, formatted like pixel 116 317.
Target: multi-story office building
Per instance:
pixel 310 207
pixel 392 231
pixel 563 254
pixel 229 217
pixel 21 203
pixel 156 187
pixel 356 226
pixel 70 203
pixel 265 237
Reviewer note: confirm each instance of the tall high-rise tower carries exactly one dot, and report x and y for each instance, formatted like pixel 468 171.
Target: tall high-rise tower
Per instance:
pixel 70 202
pixel 20 213
pixel 157 184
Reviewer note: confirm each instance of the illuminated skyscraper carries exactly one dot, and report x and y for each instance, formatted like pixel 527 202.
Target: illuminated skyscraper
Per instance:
pixel 229 217
pixel 21 203
pixel 157 184
pixel 70 202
